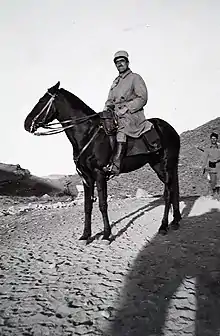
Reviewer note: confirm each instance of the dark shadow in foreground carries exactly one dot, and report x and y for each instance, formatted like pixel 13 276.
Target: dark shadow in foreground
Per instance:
pixel 161 267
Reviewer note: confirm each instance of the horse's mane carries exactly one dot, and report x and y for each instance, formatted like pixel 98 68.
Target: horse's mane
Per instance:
pixel 76 103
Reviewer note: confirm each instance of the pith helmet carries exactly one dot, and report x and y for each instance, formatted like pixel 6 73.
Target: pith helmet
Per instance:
pixel 121 53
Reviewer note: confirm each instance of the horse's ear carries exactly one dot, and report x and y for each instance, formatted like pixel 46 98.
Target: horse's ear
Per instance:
pixel 55 88
pixel 57 85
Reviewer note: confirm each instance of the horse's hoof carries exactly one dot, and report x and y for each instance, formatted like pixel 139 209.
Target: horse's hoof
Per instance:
pixel 84 237
pixel 163 232
pixel 105 241
pixel 175 226
pixel 83 240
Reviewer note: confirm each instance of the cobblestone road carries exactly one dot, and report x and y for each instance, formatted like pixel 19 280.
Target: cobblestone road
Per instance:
pixel 142 284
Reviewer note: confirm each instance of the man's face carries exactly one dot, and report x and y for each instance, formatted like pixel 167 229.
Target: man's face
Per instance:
pixel 121 64
pixel 213 140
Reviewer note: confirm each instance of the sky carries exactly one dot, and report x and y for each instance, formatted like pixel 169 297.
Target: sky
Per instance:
pixel 173 45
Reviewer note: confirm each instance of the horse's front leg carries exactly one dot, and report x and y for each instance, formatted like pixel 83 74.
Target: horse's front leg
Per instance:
pixel 101 184
pixel 88 204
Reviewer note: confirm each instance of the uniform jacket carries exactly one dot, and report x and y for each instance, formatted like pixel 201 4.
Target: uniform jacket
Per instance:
pixel 129 95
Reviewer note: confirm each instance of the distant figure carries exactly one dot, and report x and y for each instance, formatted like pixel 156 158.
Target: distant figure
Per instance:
pixel 127 97
pixel 211 163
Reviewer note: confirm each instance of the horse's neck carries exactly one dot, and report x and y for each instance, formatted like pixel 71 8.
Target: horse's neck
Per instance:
pixel 74 106
pixel 77 133
pixel 71 107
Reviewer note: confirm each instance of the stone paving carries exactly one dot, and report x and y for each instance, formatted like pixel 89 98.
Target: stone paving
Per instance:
pixel 140 284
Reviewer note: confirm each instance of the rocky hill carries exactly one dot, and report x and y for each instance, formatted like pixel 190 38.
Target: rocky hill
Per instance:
pixel 17 181
pixel 191 180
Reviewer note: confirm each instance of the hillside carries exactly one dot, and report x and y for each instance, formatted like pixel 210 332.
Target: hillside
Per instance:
pixel 191 180
pixel 16 181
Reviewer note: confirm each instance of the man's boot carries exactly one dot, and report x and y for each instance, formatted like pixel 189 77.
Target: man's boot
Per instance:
pixel 117 160
pixel 112 140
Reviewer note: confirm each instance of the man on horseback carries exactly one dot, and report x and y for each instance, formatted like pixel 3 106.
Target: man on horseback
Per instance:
pixel 127 97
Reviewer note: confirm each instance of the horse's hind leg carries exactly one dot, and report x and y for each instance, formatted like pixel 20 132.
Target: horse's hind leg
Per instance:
pixel 175 200
pixel 88 204
pixel 167 198
pixel 165 176
pixel 101 184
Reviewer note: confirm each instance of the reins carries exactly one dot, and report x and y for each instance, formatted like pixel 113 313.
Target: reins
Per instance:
pixel 55 130
pixel 76 159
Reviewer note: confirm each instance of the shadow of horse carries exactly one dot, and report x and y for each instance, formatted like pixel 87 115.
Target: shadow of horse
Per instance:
pixel 160 269
pixel 137 213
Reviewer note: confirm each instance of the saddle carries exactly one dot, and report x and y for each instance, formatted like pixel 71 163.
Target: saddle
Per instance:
pixel 109 121
pixel 149 142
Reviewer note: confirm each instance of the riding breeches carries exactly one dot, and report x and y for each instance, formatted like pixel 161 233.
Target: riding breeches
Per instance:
pixel 121 136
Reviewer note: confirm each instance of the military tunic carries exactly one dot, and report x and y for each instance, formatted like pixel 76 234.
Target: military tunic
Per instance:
pixel 129 95
pixel 212 154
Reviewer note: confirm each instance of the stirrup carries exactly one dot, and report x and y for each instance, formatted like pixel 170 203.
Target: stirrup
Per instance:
pixel 108 168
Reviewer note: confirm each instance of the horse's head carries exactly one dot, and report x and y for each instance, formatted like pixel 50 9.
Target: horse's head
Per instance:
pixel 44 111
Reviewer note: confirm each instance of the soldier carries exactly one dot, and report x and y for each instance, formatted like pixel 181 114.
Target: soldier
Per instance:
pixel 211 163
pixel 128 95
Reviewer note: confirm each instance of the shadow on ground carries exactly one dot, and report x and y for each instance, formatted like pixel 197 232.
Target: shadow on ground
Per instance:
pixel 161 267
pixel 131 216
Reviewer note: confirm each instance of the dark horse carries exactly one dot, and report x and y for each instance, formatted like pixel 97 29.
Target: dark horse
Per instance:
pixel 92 151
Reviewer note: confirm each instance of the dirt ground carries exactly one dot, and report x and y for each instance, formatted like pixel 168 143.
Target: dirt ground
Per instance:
pixel 141 284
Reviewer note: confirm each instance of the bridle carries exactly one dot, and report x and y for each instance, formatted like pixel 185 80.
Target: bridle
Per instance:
pixel 47 107
pixel 54 130
pixel 50 126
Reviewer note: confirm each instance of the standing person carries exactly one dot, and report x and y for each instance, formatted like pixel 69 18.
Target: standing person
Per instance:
pixel 211 163
pixel 127 96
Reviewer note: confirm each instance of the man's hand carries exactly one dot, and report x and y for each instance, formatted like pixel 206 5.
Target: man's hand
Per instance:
pixel 111 107
pixel 122 109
